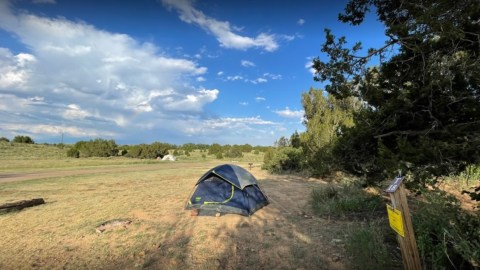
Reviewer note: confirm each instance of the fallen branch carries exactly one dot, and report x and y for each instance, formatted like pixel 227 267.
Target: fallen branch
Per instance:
pixel 21 204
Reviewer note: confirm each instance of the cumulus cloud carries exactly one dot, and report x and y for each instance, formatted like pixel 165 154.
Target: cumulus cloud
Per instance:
pixel 247 63
pixel 260 99
pixel 287 113
pixel 81 76
pixel 301 21
pixel 222 30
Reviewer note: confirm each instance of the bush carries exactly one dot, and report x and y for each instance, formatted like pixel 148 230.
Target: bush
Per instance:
pixel 97 148
pixel 73 152
pixel 219 155
pixel 233 153
pixel 23 139
pixel 3 139
pixel 447 237
pixel 284 159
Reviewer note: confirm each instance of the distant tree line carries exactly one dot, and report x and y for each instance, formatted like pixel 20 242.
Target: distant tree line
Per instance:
pixel 18 139
pixel 107 148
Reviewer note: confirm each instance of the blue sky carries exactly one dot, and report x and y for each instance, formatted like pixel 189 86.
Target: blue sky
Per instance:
pixel 230 72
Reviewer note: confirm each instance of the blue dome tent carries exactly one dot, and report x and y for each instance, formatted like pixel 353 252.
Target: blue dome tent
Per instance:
pixel 228 189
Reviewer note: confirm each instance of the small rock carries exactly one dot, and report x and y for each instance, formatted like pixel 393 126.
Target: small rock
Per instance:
pixel 194 212
pixel 217 214
pixel 335 258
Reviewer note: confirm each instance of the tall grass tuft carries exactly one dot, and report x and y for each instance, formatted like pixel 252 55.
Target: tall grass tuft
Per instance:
pixel 346 199
pixel 366 246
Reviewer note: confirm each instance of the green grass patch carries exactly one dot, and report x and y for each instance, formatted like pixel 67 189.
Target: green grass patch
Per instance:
pixel 344 199
pixel 366 246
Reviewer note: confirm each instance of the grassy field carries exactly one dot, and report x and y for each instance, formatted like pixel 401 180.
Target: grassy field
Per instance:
pixel 62 234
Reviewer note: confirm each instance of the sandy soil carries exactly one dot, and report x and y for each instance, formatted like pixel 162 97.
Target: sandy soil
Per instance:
pixel 62 234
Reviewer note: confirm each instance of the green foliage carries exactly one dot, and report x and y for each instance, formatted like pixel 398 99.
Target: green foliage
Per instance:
pixel 447 237
pixel 256 152
pixel 96 148
pixel 345 199
pixel 3 139
pixel 326 119
pixel 295 140
pixel 219 155
pixel 421 110
pixel 73 152
pixel 366 246
pixel 215 149
pixel 23 139
pixel 148 151
pixel 284 159
pixel 282 142
pixel 233 152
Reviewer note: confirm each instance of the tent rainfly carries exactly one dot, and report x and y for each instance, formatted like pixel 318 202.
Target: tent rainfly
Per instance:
pixel 228 189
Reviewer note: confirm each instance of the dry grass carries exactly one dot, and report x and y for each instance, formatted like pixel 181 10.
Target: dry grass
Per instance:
pixel 62 233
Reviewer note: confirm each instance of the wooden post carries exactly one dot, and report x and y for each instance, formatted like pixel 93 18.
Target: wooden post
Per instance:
pixel 400 221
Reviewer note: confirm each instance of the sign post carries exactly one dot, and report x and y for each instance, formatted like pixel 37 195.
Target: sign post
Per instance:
pixel 400 221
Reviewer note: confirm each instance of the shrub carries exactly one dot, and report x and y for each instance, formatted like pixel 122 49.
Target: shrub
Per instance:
pixel 284 159
pixel 3 139
pixel 219 155
pixel 447 237
pixel 233 153
pixel 97 148
pixel 23 139
pixel 73 152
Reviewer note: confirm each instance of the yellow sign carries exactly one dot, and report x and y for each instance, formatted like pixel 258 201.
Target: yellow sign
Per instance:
pixel 395 219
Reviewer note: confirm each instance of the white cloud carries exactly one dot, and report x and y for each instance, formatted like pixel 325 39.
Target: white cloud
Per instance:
pixel 272 76
pixel 287 113
pixel 222 30
pixel 260 99
pixel 220 73
pixel 234 78
pixel 259 80
pixel 82 76
pixel 243 103
pixel 229 123
pixel 301 21
pixel 201 79
pixel 42 129
pixel 74 111
pixel 309 66
pixel 247 63
pixel 14 69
